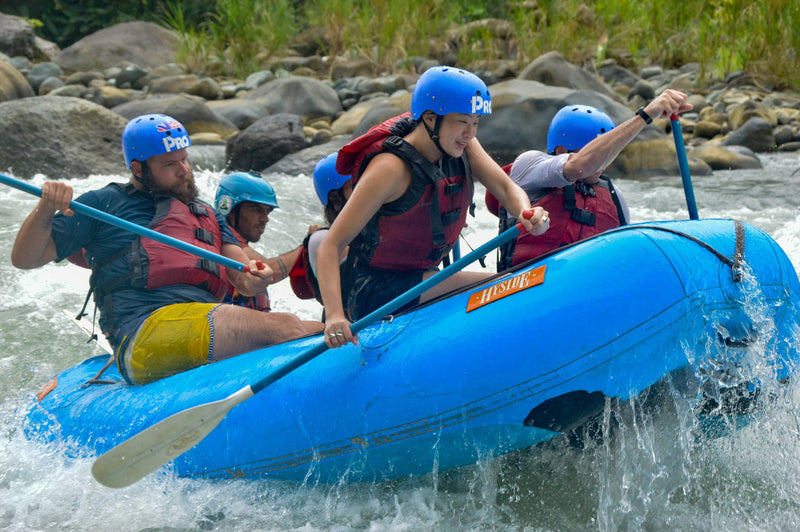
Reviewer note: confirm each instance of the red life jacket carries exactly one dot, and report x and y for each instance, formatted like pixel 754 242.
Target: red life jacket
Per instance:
pixel 353 158
pixel 259 301
pixel 301 277
pixel 303 281
pixel 149 264
pixel 420 228
pixel 577 211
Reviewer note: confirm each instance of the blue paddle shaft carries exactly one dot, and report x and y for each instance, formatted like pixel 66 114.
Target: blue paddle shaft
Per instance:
pixel 132 227
pixel 683 163
pixel 392 305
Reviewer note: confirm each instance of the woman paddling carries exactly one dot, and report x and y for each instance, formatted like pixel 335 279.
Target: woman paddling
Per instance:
pixel 414 188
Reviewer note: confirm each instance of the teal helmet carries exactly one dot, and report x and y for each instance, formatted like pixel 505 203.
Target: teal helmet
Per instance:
pixel 154 134
pixel 237 187
pixel 445 90
pixel 326 178
pixel 575 126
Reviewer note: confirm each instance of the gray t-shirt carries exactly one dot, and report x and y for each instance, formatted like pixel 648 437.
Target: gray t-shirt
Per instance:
pixel 535 170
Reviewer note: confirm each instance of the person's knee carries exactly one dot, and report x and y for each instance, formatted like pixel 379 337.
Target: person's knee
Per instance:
pixel 288 325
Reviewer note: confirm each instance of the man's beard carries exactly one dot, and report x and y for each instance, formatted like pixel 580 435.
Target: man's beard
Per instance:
pixel 184 192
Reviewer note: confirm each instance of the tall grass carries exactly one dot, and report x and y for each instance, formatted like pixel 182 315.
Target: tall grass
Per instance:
pixel 384 31
pixel 723 36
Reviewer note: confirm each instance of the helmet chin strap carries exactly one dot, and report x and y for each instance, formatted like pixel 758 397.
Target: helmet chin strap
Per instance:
pixel 434 133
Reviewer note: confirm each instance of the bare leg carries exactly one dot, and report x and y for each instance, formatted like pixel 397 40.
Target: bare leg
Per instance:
pixel 239 329
pixel 454 282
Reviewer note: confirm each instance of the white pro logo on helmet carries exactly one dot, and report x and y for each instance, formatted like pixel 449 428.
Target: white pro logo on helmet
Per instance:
pixel 176 143
pixel 225 204
pixel 479 105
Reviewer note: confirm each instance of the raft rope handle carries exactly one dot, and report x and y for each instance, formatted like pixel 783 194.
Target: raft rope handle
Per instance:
pixel 96 378
pixel 735 265
pixel 738 254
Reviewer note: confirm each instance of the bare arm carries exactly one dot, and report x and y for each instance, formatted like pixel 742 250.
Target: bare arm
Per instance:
pixel 588 163
pixel 251 283
pixel 385 180
pixel 510 195
pixel 280 264
pixel 34 245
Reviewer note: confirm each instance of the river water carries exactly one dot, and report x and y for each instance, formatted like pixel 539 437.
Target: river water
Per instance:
pixel 660 478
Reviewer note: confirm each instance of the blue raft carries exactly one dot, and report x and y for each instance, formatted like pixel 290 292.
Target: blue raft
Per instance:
pixel 488 370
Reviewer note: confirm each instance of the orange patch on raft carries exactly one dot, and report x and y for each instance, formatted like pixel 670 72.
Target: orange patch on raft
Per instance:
pixel 512 285
pixel 47 388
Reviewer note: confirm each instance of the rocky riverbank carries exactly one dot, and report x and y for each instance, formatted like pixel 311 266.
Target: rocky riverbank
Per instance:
pixel 63 111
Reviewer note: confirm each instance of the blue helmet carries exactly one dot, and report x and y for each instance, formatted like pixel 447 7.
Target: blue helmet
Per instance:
pixel 445 90
pixel 575 126
pixel 242 186
pixel 326 178
pixel 149 135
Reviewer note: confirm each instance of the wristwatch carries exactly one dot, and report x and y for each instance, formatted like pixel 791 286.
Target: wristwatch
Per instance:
pixel 646 117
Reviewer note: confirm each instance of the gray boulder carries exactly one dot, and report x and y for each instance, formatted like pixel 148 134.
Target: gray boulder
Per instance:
pixel 13 84
pixel 240 112
pixel 16 36
pixel 304 161
pixel 44 50
pixel 522 111
pixel 756 134
pixel 265 142
pixel 306 97
pixel 41 71
pixel 614 74
pixel 375 116
pixel 206 88
pixel 720 158
pixel 191 111
pixel 653 157
pixel 552 69
pixel 60 137
pixel 143 43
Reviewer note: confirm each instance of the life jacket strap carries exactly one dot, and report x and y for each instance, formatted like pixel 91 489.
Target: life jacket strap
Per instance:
pixel 197 210
pixel 582 217
pixel 208 265
pixel 204 235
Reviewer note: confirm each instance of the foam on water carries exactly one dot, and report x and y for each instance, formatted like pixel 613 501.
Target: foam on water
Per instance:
pixel 657 472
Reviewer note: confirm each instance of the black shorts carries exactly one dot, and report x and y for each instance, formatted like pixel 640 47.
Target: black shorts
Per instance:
pixel 373 287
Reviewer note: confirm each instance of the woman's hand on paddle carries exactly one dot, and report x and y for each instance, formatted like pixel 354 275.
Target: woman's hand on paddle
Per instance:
pixel 338 333
pixel 536 220
pixel 56 197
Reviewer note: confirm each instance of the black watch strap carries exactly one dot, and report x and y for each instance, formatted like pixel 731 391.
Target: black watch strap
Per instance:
pixel 646 117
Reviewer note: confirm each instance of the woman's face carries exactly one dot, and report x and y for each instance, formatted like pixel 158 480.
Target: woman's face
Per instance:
pixel 456 131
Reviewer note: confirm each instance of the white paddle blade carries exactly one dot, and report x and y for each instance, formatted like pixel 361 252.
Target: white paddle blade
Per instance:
pixel 87 327
pixel 145 452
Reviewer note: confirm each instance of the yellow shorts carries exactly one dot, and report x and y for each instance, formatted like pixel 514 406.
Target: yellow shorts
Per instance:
pixel 172 339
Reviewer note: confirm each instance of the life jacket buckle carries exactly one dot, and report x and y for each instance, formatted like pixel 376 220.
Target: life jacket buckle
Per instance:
pixel 586 189
pixel 204 235
pixel 393 141
pixel 197 210
pixel 582 216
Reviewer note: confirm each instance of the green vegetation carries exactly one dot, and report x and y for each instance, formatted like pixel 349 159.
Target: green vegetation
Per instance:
pixel 240 36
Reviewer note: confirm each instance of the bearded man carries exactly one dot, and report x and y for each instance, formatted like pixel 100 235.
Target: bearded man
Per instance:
pixel 159 306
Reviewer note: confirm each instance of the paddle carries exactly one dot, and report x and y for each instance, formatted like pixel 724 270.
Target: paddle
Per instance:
pixel 683 163
pixel 91 212
pixel 148 450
